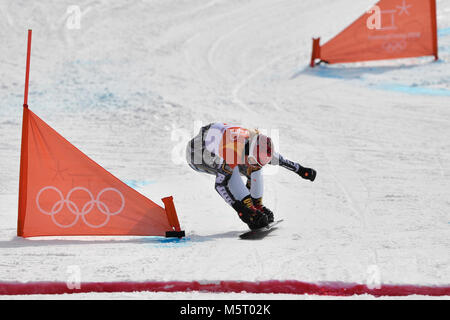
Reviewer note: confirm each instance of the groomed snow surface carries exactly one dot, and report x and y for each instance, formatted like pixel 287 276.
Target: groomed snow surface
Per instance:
pixel 137 80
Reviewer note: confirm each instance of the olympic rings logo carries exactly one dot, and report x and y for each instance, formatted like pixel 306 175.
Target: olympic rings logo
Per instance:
pixel 75 210
pixel 394 46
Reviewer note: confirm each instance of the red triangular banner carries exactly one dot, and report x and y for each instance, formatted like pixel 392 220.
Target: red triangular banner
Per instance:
pixel 392 29
pixel 63 192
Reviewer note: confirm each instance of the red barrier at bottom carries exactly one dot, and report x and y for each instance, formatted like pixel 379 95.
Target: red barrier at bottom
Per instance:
pixel 271 286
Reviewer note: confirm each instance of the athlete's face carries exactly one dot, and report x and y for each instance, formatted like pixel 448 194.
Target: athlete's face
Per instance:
pixel 252 163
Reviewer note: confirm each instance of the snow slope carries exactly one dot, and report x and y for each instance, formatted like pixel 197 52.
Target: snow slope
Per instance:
pixel 139 78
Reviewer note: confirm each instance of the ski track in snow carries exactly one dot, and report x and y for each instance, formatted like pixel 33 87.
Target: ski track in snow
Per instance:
pixel 375 132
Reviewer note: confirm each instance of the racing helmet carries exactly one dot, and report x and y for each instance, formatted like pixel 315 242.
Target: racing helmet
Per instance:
pixel 260 150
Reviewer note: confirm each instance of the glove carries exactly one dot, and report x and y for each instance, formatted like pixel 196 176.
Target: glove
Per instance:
pixel 259 206
pixel 307 173
pixel 250 214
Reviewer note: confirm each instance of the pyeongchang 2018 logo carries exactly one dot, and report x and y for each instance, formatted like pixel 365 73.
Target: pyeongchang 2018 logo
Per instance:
pixel 81 209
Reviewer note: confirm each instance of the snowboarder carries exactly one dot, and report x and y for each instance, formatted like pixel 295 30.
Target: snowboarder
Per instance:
pixel 228 152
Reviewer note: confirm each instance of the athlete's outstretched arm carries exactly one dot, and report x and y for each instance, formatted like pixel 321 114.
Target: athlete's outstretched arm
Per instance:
pixel 305 173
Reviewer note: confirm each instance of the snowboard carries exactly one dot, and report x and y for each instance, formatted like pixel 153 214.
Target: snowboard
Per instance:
pixel 260 233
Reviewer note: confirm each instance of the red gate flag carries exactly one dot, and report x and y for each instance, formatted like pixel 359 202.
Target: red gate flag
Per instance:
pixel 62 192
pixel 392 29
